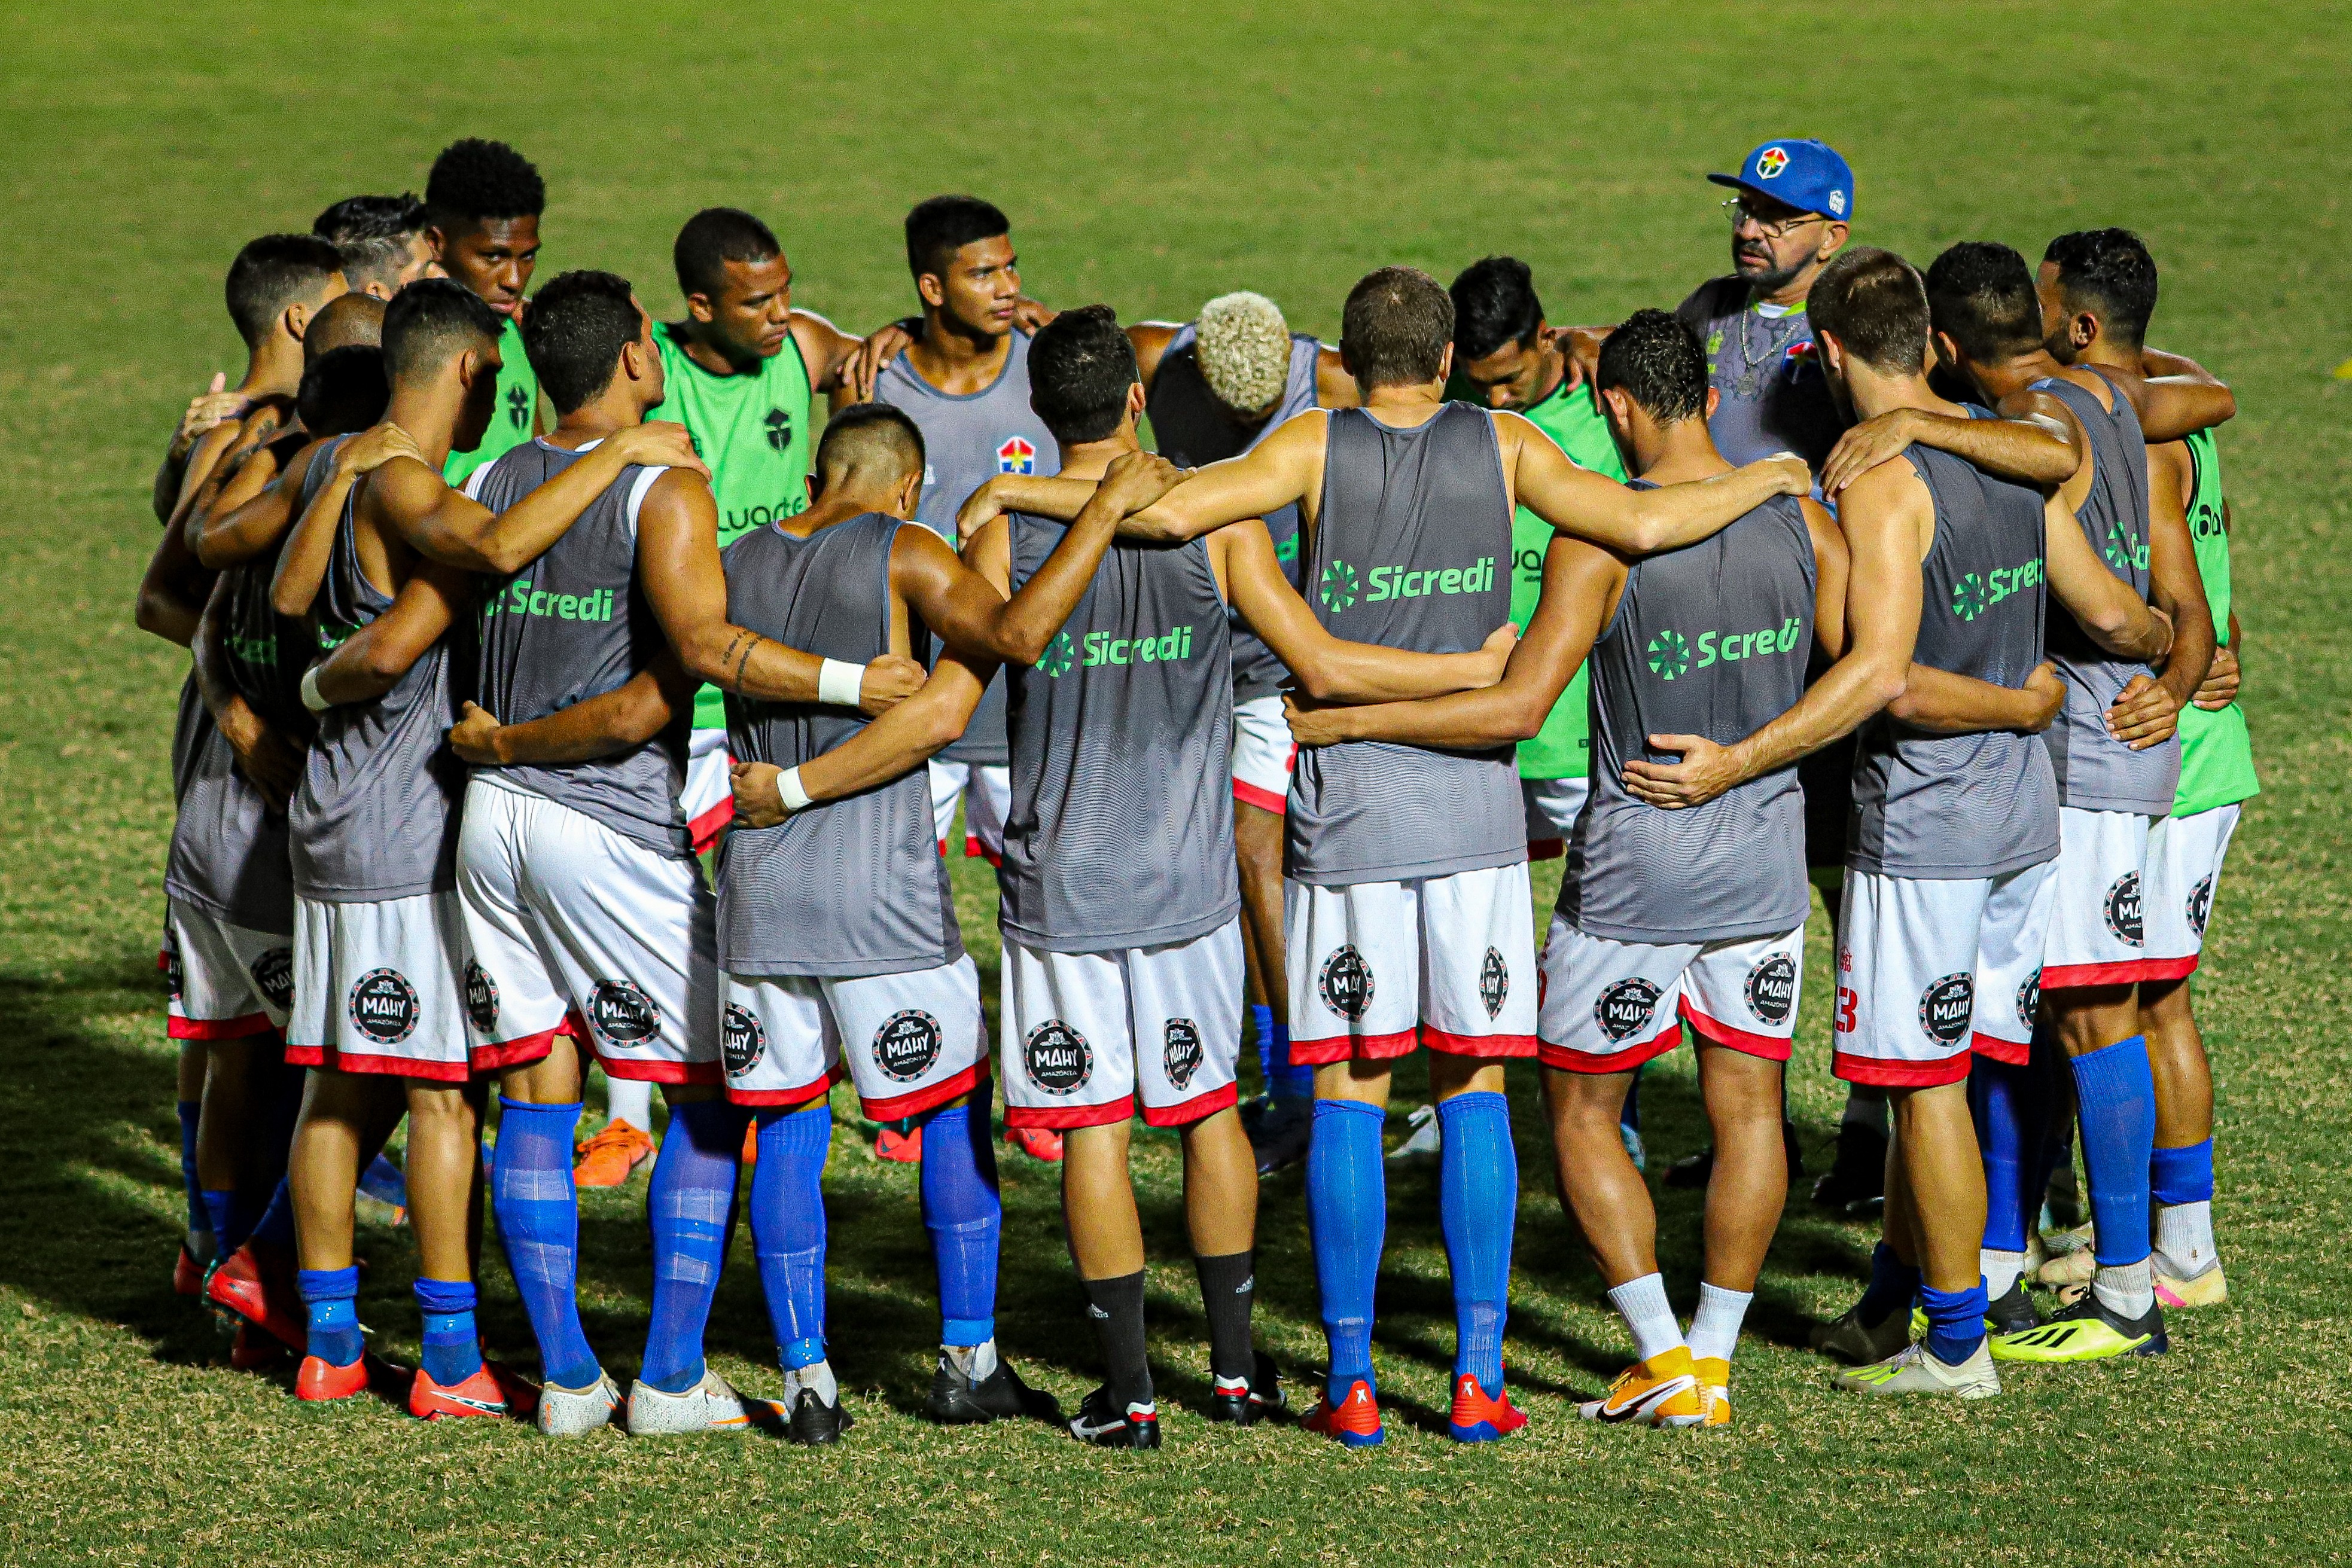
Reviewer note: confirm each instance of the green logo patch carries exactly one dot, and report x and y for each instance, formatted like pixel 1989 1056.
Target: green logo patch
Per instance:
pixel 1338 587
pixel 1061 653
pixel 1669 655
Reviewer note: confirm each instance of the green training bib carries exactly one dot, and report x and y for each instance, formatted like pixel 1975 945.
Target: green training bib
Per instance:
pixel 517 409
pixel 1562 748
pixel 2217 754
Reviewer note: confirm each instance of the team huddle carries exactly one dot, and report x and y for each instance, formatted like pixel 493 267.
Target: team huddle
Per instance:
pixel 1909 585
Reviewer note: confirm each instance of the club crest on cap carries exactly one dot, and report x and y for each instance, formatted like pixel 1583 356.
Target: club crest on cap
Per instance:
pixel 1770 163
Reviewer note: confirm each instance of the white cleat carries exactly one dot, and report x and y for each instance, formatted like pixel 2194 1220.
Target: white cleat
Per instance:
pixel 711 1405
pixel 1912 1370
pixel 569 1412
pixel 1428 1140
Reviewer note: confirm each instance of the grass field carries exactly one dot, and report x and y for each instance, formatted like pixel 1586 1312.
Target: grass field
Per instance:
pixel 1152 157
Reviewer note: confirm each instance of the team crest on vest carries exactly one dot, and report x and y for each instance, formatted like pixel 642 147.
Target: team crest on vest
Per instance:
pixel 1770 163
pixel 742 1040
pixel 1346 982
pixel 2200 906
pixel 481 996
pixel 1180 1056
pixel 1624 1008
pixel 1771 988
pixel 1946 1008
pixel 518 403
pixel 622 1013
pixel 384 1005
pixel 907 1046
pixel 1494 981
pixel 1017 455
pixel 2122 909
pixel 273 972
pixel 779 426
pixel 1057 1057
pixel 2029 999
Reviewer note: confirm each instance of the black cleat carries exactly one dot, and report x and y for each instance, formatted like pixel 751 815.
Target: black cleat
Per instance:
pixel 1858 1342
pixel 1858 1174
pixel 2012 1312
pixel 813 1422
pixel 956 1401
pixel 1108 1424
pixel 1242 1401
pixel 1281 1135
pixel 1692 1171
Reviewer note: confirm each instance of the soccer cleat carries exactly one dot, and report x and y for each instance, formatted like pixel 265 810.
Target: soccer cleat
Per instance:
pixel 253 1350
pixel 2012 1313
pixel 1041 1144
pixel 711 1405
pixel 1691 1172
pixel 1241 1401
pixel 1478 1417
pixel 1663 1391
pixel 956 1400
pixel 1857 1174
pixel 611 1155
pixel 2085 1330
pixel 187 1274
pixel 1427 1141
pixel 2075 1262
pixel 902 1148
pixel 493 1390
pixel 1355 1420
pixel 813 1422
pixel 1281 1139
pixel 2210 1289
pixel 1914 1370
pixel 1106 1424
pixel 1860 1344
pixel 255 1283
pixel 1715 1388
pixel 320 1378
pixel 569 1412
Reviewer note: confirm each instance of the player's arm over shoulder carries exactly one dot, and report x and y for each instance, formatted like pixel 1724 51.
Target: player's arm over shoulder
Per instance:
pixel 1832 566
pixel 1284 468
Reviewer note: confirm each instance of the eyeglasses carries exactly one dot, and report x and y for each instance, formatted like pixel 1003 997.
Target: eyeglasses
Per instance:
pixel 1739 211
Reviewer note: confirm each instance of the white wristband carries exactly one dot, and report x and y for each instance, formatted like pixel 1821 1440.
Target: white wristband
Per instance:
pixel 311 697
pixel 838 683
pixel 788 786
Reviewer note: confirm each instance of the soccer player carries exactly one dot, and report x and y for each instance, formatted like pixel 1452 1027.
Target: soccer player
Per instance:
pixel 384 241
pixel 483 200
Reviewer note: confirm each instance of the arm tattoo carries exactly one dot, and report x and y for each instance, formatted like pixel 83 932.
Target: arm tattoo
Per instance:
pixel 751 641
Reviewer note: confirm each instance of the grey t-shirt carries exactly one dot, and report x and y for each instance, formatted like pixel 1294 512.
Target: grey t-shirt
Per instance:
pixel 1773 396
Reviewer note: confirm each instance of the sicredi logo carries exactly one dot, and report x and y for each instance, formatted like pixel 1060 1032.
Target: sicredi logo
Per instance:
pixel 1386 582
pixel 1977 592
pixel 520 597
pixel 1102 648
pixel 1670 653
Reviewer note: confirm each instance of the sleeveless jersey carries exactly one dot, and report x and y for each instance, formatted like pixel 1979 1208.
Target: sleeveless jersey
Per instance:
pixel 2097 772
pixel 1774 397
pixel 228 853
pixel 1191 428
pixel 1708 640
pixel 1121 828
pixel 848 887
pixel 968 439
pixel 2217 756
pixel 1949 807
pixel 375 818
pixel 1561 748
pixel 516 412
pixel 1412 551
pixel 574 624
pixel 268 654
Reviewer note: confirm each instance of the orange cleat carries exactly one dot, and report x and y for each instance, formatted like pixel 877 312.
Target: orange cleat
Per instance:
pixel 187 1274
pixel 1479 1419
pixel 322 1379
pixel 906 1148
pixel 1038 1143
pixel 1715 1386
pixel 1661 1392
pixel 608 1158
pixel 493 1390
pixel 1355 1420
pixel 752 1142
pixel 257 1283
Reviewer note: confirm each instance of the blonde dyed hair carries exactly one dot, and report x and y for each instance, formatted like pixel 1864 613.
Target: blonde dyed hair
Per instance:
pixel 1244 347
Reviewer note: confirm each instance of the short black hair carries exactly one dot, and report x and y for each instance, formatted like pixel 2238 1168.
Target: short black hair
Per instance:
pixel 574 332
pixel 1981 293
pixel 869 435
pixel 1080 366
pixel 344 390
pixel 430 320
pixel 476 179
pixel 345 319
pixel 1873 301
pixel 1495 303
pixel 713 237
pixel 1657 359
pixel 1395 328
pixel 2110 273
pixel 372 232
pixel 940 227
pixel 271 272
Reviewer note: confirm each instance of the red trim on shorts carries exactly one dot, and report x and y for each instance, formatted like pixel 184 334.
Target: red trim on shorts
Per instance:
pixel 1899 1074
pixel 2167 969
pixel 306 1056
pixel 2076 977
pixel 327 1059
pixel 2015 1052
pixel 520 1051
pixel 1767 1047
pixel 637 1070
pixel 1064 1117
pixel 706 828
pixel 1547 849
pixel 922 1100
pixel 1199 1108
pixel 241 1028
pixel 1486 1045
pixel 1249 794
pixel 808 1094
pixel 1353 1048
pixel 1625 1061
pixel 973 850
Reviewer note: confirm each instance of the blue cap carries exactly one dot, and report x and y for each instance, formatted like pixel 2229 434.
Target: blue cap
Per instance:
pixel 1807 175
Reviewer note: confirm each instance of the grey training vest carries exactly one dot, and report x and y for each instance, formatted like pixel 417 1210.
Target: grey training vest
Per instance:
pixel 1121 828
pixel 1194 429
pixel 1773 396
pixel 848 887
pixel 968 439
pixel 268 654
pixel 228 854
pixel 2097 772
pixel 1949 807
pixel 1709 640
pixel 574 624
pixel 1412 551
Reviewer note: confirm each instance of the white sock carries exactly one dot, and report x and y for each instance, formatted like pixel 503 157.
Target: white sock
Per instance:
pixel 630 1100
pixel 977 1362
pixel 2184 1238
pixel 2001 1270
pixel 1643 1304
pixel 1715 1327
pixel 817 1377
pixel 2127 1290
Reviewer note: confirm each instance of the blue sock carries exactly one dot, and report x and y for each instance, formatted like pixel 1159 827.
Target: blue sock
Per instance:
pixel 2009 1110
pixel 1262 1031
pixel 788 1227
pixel 276 1225
pixel 538 1210
pixel 1292 1080
pixel 1347 1218
pixel 2116 1094
pixel 1893 1283
pixel 687 1204
pixel 1478 1202
pixel 331 1298
pixel 1955 1322
pixel 963 1213
pixel 221 1214
pixel 2183 1175
pixel 200 1216
pixel 453 1346
pixel 384 1182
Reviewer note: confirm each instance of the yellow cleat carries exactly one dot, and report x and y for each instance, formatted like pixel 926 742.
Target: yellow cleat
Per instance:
pixel 1715 1388
pixel 1661 1392
pixel 2210 1289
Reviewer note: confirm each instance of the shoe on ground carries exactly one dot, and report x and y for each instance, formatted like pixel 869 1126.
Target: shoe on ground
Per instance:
pixel 2011 1313
pixel 253 1350
pixel 813 1423
pixel 2086 1330
pixel 1915 1370
pixel 1713 1374
pixel 321 1379
pixel 1354 1421
pixel 187 1274
pixel 569 1412
pixel 1425 1142
pixel 1253 1110
pixel 957 1400
pixel 1663 1391
pixel 493 1390
pixel 610 1157
pixel 1857 1171
pixel 1858 1343
pixel 2210 1289
pixel 711 1405
pixel 900 1148
pixel 1689 1173
pixel 1106 1423
pixel 1283 1134
pixel 255 1283
pixel 1243 1401
pixel 1041 1144
pixel 1478 1418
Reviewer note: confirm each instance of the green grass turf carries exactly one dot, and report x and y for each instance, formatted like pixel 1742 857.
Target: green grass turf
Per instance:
pixel 1150 160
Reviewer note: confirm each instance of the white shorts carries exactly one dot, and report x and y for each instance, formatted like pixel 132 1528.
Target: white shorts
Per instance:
pixel 1609 1007
pixel 380 988
pixel 986 804
pixel 228 981
pixel 1264 754
pixel 2184 861
pixel 908 1041
pixel 1552 805
pixel 1087 1034
pixel 707 796
pixel 1455 956
pixel 574 929
pixel 2097 934
pixel 1929 971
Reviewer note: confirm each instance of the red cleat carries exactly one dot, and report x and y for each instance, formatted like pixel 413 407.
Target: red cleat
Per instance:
pixel 1038 1143
pixel 1355 1420
pixel 257 1283
pixel 905 1149
pixel 187 1274
pixel 322 1379
pixel 1478 1419
pixel 493 1390
pixel 252 1350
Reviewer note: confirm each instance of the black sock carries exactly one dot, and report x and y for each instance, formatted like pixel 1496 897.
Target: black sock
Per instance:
pixel 1117 1309
pixel 1228 1291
